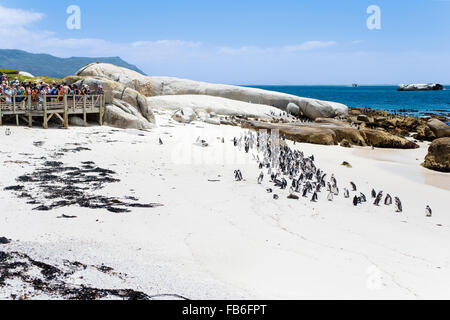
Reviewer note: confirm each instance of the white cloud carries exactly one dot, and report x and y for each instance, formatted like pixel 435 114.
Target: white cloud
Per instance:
pixel 305 46
pixel 167 43
pixel 14 18
pixel 309 45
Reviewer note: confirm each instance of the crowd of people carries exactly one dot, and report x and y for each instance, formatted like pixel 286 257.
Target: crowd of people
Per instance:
pixel 14 89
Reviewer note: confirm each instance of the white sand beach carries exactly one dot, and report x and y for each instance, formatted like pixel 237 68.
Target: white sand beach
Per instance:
pixel 215 238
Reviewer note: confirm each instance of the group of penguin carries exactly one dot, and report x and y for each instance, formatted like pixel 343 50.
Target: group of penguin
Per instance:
pixel 305 178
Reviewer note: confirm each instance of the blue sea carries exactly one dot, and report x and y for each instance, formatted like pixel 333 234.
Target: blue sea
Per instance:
pixel 416 103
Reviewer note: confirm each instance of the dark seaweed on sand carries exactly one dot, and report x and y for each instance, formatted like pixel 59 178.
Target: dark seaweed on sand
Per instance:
pixel 62 186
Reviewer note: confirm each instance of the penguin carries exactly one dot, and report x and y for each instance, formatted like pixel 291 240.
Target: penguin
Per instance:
pixel 330 196
pixel 261 178
pixel 335 191
pixel 388 200
pixel 276 197
pixel 333 180
pixel 363 197
pixel 429 212
pixel 353 186
pixel 374 193
pixel 398 205
pixel 314 197
pixel 238 175
pixel 298 187
pixel 305 192
pixel 346 194
pixel 355 201
pixel 160 142
pixel 318 187
pixel 283 184
pixel 269 190
pixel 378 198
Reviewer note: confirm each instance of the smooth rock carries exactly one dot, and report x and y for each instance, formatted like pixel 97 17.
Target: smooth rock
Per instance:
pixel 115 116
pixel 438 157
pixel 25 74
pixel 76 121
pixel 293 109
pixel 184 115
pixel 439 128
pixel 420 87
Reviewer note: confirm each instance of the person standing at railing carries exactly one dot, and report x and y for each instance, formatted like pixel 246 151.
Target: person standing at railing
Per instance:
pixel 20 93
pixel 34 94
pixel 8 94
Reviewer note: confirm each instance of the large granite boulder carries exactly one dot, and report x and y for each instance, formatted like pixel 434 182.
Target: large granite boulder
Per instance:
pixel 162 86
pixel 124 118
pixel 131 108
pixel 420 87
pixel 439 128
pixel 438 157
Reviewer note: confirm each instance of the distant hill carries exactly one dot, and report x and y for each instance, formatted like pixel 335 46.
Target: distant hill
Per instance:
pixel 48 65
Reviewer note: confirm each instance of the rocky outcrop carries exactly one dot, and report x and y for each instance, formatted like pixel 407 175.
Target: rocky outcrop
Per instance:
pixel 334 122
pixel 25 74
pixel 439 128
pixel 125 107
pixel 420 87
pixel 327 134
pixel 438 157
pixel 163 86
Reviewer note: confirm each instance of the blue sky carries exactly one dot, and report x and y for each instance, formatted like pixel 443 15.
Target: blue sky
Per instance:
pixel 246 42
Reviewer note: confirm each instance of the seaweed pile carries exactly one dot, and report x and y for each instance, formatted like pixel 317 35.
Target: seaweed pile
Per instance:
pixel 54 185
pixel 39 278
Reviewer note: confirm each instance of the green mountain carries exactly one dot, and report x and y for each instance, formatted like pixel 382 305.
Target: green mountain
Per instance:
pixel 48 65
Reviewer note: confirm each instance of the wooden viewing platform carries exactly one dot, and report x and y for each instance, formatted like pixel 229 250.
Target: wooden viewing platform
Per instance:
pixel 47 106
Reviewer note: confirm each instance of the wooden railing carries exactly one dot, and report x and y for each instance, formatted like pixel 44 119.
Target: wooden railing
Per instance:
pixel 37 103
pixel 44 105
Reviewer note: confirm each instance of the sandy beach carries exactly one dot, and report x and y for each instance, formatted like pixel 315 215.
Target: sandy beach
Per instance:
pixel 213 237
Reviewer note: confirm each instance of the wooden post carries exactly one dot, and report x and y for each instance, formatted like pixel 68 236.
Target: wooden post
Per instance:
pixel 101 110
pixel 84 111
pixel 30 118
pixel 1 116
pixel 74 102
pixel 66 113
pixel 45 112
pixel 14 110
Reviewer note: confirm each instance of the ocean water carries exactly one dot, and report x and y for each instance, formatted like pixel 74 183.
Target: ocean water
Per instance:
pixel 416 103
